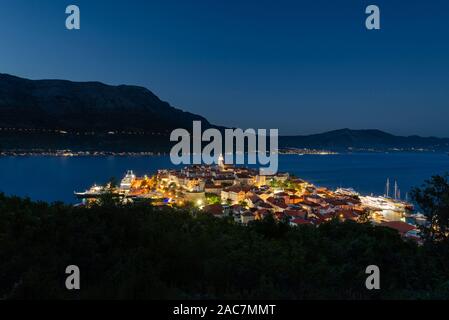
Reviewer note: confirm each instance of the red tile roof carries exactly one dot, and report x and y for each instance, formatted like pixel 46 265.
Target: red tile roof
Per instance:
pixel 215 209
pixel 247 214
pixel 296 213
pixel 238 189
pixel 264 205
pixel 400 226
pixel 299 221
pixel 277 202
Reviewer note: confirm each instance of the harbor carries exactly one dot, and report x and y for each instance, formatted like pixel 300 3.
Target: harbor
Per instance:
pixel 244 195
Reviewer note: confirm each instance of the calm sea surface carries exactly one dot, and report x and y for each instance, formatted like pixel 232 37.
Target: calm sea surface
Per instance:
pixel 55 179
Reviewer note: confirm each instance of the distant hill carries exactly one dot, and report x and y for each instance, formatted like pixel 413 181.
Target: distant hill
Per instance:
pixel 60 114
pixel 345 139
pixel 93 106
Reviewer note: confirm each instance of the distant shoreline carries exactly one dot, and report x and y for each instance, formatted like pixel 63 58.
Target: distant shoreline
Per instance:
pixel 69 153
pixel 289 151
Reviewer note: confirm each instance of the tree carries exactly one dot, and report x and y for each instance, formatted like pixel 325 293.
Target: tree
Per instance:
pixel 433 199
pixel 112 183
pixel 212 198
pixel 365 217
pixel 137 251
pixel 109 199
pixel 172 186
pixel 243 204
pixel 269 227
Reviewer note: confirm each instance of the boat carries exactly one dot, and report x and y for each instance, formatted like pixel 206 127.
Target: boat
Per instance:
pixel 347 192
pixel 94 192
pixel 420 216
pixel 127 181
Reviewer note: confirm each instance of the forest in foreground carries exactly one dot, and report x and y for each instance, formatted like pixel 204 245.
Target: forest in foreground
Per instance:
pixel 144 252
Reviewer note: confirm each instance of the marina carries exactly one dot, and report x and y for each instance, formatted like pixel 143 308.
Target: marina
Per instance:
pixel 244 195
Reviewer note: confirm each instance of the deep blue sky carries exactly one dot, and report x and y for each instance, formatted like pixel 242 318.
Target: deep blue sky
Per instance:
pixel 301 66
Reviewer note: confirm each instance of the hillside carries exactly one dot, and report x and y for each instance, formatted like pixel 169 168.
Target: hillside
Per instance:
pixel 60 114
pixel 363 139
pixel 93 106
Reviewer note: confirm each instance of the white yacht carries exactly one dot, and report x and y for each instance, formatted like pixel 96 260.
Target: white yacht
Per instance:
pixel 94 192
pixel 127 181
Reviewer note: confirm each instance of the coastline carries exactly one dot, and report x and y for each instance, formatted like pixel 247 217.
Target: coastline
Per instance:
pixel 283 151
pixel 70 153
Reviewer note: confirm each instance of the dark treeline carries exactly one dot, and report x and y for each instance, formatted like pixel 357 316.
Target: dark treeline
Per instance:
pixel 141 252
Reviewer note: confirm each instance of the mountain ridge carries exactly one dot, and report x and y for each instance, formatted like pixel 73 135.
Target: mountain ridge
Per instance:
pixel 54 114
pixel 363 139
pixel 90 105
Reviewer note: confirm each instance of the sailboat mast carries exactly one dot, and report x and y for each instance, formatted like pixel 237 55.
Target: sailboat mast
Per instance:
pixel 395 189
pixel 387 188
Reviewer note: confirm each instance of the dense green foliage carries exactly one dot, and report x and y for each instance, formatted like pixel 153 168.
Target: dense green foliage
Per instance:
pixel 212 198
pixel 144 252
pixel 433 199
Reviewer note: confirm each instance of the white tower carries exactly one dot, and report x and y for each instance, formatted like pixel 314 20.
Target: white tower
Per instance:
pixel 221 164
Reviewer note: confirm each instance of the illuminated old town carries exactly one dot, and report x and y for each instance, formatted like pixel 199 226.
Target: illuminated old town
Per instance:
pixel 241 194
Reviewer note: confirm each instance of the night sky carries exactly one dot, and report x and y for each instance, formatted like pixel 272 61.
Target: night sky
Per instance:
pixel 300 66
